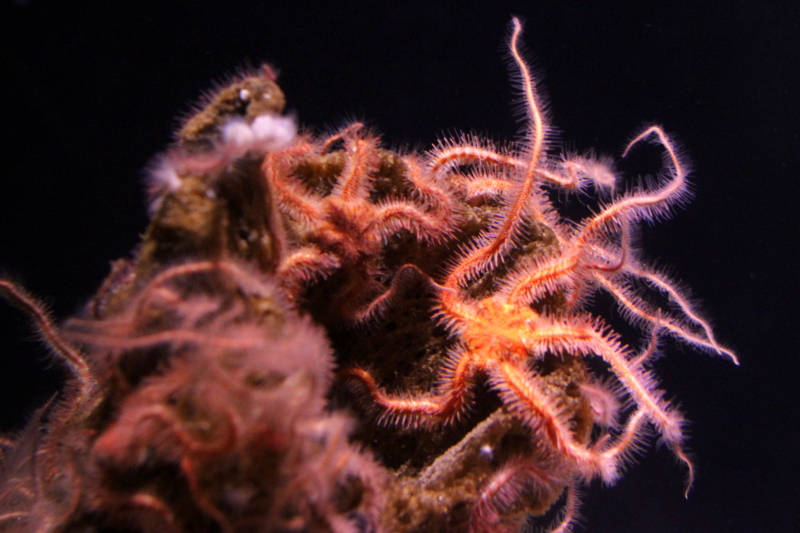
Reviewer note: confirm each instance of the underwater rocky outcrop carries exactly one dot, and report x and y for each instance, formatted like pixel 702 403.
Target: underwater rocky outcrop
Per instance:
pixel 319 334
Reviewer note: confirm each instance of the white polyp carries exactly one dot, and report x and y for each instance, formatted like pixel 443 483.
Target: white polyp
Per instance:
pixel 597 171
pixel 164 177
pixel 237 133
pixel 486 452
pixel 601 174
pixel 267 133
pixel 604 403
pixel 275 132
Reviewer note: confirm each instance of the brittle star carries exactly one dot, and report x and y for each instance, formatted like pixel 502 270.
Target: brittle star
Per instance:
pixel 347 229
pixel 499 336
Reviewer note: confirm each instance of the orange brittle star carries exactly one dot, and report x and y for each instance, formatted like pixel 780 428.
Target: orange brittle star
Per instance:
pixel 347 228
pixel 500 334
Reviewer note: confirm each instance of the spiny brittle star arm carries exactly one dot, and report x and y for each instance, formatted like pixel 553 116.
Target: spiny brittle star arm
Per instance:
pixel 503 235
pixel 443 408
pixel 69 354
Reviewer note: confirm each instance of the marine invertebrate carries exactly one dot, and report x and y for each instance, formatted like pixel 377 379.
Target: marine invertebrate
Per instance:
pixel 365 197
pixel 204 394
pixel 238 396
pixel 198 393
pixel 508 312
pixel 183 388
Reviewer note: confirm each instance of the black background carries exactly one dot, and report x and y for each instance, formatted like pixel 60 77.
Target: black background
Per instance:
pixel 90 91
